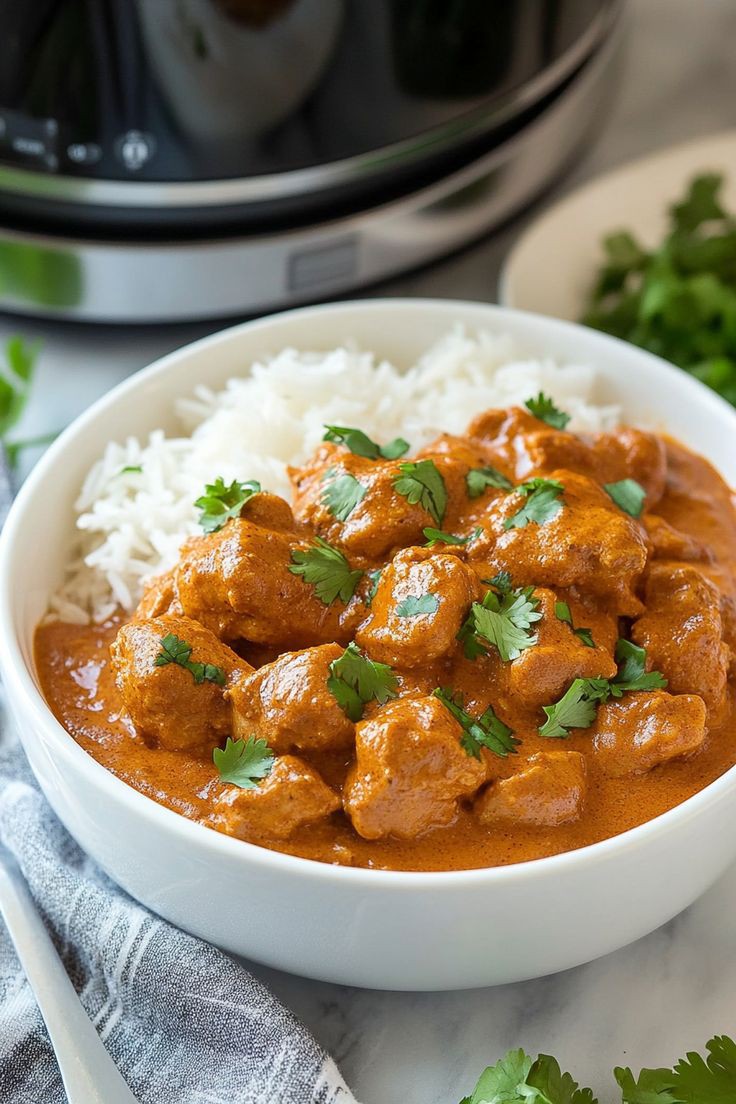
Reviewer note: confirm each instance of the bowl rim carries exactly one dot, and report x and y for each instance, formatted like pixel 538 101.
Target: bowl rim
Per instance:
pixel 20 682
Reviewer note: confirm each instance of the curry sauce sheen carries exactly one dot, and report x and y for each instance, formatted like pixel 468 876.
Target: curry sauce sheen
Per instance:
pixel 398 787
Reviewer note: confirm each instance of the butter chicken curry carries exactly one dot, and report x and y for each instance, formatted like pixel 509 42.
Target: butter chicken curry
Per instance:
pixel 516 643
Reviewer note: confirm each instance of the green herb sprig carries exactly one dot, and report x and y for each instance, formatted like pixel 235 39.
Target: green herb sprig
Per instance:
pixel 543 407
pixel 503 619
pixel 222 501
pixel 421 482
pixel 327 570
pixel 484 731
pixel 175 650
pixel 355 680
pixel 243 763
pixel 360 444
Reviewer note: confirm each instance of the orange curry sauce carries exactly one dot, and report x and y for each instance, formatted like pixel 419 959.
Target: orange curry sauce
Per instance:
pixel 678 600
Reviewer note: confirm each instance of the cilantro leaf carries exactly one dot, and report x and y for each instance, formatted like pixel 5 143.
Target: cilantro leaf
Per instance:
pixel 499 1084
pixel 700 204
pixel 354 680
pixel 575 709
pixel 478 479
pixel 628 495
pixel 342 494
pixel 485 731
pixel 542 503
pixel 502 619
pixel 219 502
pixel 415 604
pixel 562 613
pixel 421 482
pixel 632 673
pixel 175 650
pixel 543 408
pixel 713 1079
pixel 243 763
pixel 360 443
pixel 438 536
pixel 553 1086
pixel 129 469
pixel 327 570
pixel 501 581
pixel 652 1086
pixel 375 578
pixel 515 1079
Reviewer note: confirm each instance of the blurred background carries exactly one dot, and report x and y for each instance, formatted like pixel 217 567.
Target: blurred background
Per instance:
pixel 169 167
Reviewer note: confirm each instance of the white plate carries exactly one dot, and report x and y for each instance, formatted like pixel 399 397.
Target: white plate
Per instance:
pixel 553 265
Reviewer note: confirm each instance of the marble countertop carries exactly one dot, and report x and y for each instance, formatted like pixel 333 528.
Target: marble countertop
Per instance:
pixel 669 992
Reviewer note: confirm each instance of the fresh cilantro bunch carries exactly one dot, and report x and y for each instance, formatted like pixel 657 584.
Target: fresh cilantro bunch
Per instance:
pixel 679 300
pixel 516 1079
pixel 16 380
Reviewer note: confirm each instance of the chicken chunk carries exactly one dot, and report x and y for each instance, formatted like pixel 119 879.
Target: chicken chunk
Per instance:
pixel 668 543
pixel 169 704
pixel 422 598
pixel 547 791
pixel 287 703
pixel 629 453
pixel 644 730
pixel 410 770
pixel 380 521
pixel 160 597
pixel 590 544
pixel 237 582
pixel 291 796
pixel 682 631
pixel 541 674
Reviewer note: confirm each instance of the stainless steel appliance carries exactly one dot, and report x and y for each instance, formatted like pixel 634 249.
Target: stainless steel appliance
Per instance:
pixel 173 159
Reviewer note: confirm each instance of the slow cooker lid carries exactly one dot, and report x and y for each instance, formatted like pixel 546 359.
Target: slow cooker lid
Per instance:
pixel 103 100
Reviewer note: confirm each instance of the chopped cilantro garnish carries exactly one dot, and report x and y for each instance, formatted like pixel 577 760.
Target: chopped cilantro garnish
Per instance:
pixel 360 443
pixel 502 619
pixel 632 673
pixel 438 536
pixel 355 680
pixel 478 479
pixel 575 709
pixel 327 570
pixel 578 705
pixel 421 482
pixel 562 613
pixel 543 408
pixel 175 650
pixel 415 604
pixel 243 763
pixel 628 495
pixel 485 731
pixel 219 502
pixel 542 503
pixel 375 577
pixel 130 469
pixel 342 494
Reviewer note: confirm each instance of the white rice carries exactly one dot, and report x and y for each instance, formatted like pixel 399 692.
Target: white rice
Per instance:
pixel 132 524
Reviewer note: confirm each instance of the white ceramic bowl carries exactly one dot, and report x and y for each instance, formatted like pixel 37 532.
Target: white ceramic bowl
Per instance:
pixel 370 928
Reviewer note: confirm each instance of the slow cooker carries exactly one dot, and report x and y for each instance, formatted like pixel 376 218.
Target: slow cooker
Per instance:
pixel 175 159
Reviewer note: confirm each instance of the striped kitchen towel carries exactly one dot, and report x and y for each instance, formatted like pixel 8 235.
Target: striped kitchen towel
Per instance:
pixel 184 1023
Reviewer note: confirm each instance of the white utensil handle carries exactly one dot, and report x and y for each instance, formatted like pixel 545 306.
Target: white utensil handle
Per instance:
pixel 89 1074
